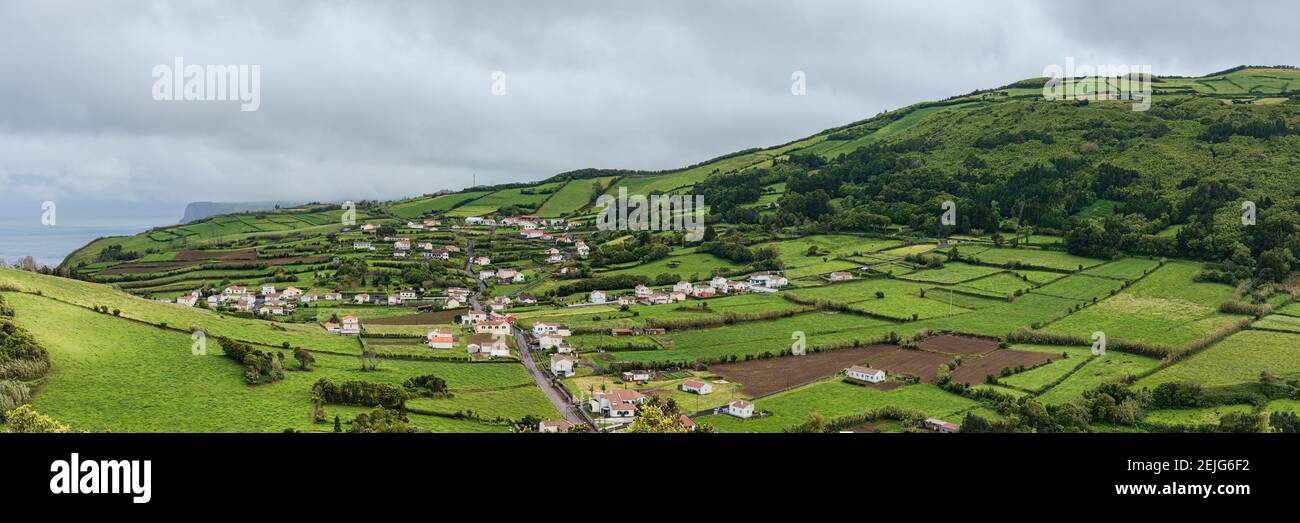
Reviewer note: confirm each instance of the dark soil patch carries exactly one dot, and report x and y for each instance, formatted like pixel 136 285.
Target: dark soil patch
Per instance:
pixel 763 377
pixel 975 371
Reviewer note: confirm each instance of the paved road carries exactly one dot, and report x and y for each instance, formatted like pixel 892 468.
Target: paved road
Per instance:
pixel 543 380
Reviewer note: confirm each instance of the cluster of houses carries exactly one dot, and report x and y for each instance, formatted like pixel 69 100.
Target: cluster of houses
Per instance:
pixel 347 326
pixel 491 330
pixel 267 300
pixel 760 282
pixel 402 245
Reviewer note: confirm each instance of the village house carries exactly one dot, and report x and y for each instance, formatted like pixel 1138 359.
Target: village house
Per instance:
pixel 526 300
pixel 621 412
pixel 582 248
pixel 719 283
pixel 682 286
pixel 597 297
pixel 349 326
pixel 543 328
pixel 704 291
pixel 510 276
pixel 686 422
pixel 473 220
pixel 246 303
pixel 332 328
pixel 459 293
pixel 361 299
pixel 217 299
pixel 408 294
pixel 938 425
pixel 451 248
pixel 678 296
pixel 549 340
pixel 636 376
pixel 555 258
pixel 275 310
pixel 473 317
pixel 562 366
pixel 291 292
pixel 482 260
pixel 841 276
pixel 864 374
pixel 333 296
pixel 451 303
pixel 308 298
pixel 601 402
pixel 187 300
pixel 490 348
pixel 487 274
pixel 531 233
pixel 643 292
pixel 492 327
pixel 564 348
pixel 440 339
pixel 399 254
pixel 394 300
pixel 553 426
pixel 697 387
pixel 268 290
pixel 499 303
pixel 740 409
pixel 767 279
pixel 627 299
pixel 369 229
pixel 619 332
pixel 362 246
pixel 234 290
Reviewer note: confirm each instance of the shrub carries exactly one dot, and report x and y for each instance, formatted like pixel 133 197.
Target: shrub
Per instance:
pixel 25 419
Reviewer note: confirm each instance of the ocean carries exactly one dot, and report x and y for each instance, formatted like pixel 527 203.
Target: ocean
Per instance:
pixel 50 244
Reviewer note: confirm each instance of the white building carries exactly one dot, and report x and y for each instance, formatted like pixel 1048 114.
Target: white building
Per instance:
pixel 698 387
pixel 598 296
pixel 349 325
pixel 440 339
pixel 562 366
pixel 740 409
pixel 866 374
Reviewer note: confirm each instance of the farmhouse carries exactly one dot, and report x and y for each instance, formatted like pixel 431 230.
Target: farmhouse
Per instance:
pixel 394 299
pixel 234 290
pixel 555 258
pixel 499 303
pixel 719 283
pixel 361 299
pixel 841 276
pixel 292 292
pixel 686 422
pixel 682 286
pixel 362 246
pixel 622 332
pixel 473 317
pixel 939 425
pixel 643 292
pixel 187 300
pixel 531 233
pixel 486 275
pixel 549 341
pixel 740 409
pixel 627 299
pixel 332 327
pixel 637 376
pixel 543 328
pixel 864 374
pixel 509 275
pixel 333 296
pixel 526 300
pixel 598 296
pixel 554 426
pixel 473 220
pixel 268 290
pixel 562 366
pixel 698 387
pixel 451 303
pixel 349 326
pixel 582 248
pixel 704 291
pixel 482 260
pixel 677 296
pixel 440 339
pixel 406 294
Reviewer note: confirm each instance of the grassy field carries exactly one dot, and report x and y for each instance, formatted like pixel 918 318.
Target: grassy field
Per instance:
pixel 1033 257
pixel 415 208
pixel 1238 359
pixel 834 399
pixel 573 196
pixel 1165 309
pixel 1103 369
pixel 693 267
pixel 129 377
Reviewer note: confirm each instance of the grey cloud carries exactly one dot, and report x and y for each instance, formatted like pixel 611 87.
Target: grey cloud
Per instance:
pixel 386 100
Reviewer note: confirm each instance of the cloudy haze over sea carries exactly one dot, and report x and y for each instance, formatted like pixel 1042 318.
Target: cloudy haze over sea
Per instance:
pixel 382 100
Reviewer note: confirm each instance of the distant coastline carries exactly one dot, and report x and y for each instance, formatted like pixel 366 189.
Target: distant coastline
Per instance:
pixel 49 245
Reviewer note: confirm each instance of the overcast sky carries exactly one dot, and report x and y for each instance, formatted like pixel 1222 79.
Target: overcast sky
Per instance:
pixel 363 100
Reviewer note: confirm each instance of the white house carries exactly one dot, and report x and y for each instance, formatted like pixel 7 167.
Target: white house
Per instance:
pixel 482 260
pixel 234 290
pixel 682 286
pixel 543 328
pixel 361 299
pixel 719 283
pixel 637 376
pixel 865 374
pixel 472 317
pixel 332 327
pixel 492 327
pixel 361 246
pixel 349 325
pixel 601 402
pixel 939 425
pixel 187 300
pixel 407 294
pixel 549 341
pixel 486 275
pixel 622 411
pixel 333 296
pixel 394 299
pixel 473 219
pixel 562 366
pixel 841 276
pixel 704 291
pixel 440 339
pixel 582 248
pixel 268 289
pixel 643 292
pixel 698 387
pixel 768 279
pixel 531 233
pixel 598 296
pixel 292 292
pixel 740 409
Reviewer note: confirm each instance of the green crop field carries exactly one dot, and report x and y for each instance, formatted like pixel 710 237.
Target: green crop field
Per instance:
pixel 1165 309
pixel 834 399
pixel 1238 359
